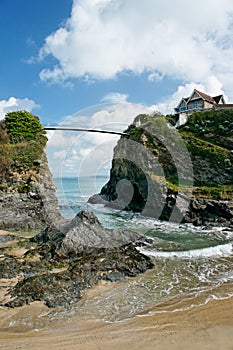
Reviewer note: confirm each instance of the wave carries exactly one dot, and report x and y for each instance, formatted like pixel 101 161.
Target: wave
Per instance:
pixel 222 250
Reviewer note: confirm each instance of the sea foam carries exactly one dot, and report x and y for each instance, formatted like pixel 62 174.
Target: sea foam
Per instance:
pixel 217 251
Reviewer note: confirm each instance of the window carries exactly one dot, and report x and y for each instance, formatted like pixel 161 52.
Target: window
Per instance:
pixel 195 105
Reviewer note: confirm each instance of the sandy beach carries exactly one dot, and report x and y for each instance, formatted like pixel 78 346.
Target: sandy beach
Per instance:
pixel 206 327
pixel 195 324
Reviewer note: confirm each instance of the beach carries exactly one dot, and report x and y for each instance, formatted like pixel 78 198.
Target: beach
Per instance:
pixel 200 322
pixel 206 327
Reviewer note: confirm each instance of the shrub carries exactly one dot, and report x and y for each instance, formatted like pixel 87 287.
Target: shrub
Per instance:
pixel 24 126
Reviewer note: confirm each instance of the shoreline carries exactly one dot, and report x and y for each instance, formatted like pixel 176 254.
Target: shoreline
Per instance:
pixel 194 324
pixel 202 327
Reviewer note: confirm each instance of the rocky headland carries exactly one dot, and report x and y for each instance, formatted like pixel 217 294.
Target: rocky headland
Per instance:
pixel 182 174
pixel 27 191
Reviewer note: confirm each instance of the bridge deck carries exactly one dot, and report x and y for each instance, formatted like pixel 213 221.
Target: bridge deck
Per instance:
pixel 88 130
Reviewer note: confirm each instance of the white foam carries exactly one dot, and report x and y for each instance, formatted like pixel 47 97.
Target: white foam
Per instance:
pixel 218 251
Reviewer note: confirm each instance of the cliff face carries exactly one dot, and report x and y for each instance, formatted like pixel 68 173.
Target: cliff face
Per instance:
pixel 27 190
pixel 33 209
pixel 183 174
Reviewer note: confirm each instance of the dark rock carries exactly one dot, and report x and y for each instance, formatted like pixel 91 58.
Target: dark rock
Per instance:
pixel 89 267
pixel 7 238
pixel 84 231
pixel 205 211
pixel 11 267
pixel 87 252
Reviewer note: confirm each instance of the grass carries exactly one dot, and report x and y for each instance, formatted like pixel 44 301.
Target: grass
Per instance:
pixel 206 149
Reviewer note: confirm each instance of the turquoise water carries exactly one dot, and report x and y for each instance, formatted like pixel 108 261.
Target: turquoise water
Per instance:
pixel 189 261
pixel 73 193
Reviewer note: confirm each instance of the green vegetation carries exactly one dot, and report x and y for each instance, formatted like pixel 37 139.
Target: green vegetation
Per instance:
pixel 221 192
pixel 217 192
pixel 172 118
pixel 213 122
pixel 22 141
pixel 213 126
pixel 23 126
pixel 207 150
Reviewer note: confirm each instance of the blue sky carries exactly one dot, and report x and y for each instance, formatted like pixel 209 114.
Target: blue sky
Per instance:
pixel 60 57
pixel 24 26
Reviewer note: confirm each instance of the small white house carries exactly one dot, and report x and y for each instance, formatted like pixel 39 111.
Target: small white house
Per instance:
pixel 199 101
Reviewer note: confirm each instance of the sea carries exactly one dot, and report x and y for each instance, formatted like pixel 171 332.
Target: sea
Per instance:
pixel 192 265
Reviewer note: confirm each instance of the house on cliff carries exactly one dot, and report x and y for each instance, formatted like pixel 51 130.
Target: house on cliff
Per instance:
pixel 199 101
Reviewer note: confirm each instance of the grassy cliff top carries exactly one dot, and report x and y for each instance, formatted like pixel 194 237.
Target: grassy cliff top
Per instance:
pixel 213 126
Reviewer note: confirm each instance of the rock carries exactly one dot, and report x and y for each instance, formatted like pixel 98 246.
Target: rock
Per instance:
pixel 87 252
pixel 33 210
pixel 147 168
pixel 66 288
pixel 82 232
pixel 206 211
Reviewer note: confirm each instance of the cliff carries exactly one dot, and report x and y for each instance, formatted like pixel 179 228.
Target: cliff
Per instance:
pixel 177 174
pixel 27 190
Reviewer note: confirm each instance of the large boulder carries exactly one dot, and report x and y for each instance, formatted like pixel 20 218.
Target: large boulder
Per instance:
pixel 82 232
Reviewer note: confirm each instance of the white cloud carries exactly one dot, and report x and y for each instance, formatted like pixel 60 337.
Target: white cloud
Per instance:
pixel 163 38
pixel 16 104
pixel 155 76
pixel 115 97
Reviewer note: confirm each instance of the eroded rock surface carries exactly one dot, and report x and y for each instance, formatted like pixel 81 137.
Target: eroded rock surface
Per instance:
pixel 73 256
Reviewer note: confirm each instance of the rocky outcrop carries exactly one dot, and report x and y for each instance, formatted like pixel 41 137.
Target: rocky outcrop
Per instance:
pixel 183 175
pixel 84 232
pixel 28 201
pixel 74 256
pixel 209 212
pixel 197 211
pixel 27 191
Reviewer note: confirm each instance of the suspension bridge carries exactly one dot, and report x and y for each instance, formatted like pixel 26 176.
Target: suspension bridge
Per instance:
pixel 87 130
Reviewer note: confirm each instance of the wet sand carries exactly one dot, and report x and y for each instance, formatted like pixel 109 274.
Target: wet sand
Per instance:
pixel 206 327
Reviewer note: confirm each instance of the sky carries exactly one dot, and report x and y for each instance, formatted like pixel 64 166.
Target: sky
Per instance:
pixel 99 63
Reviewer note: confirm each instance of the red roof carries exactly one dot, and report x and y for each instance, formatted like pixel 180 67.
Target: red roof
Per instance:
pixel 206 97
pixel 213 100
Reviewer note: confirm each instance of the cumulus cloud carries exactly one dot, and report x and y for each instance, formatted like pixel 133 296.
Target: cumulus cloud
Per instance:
pixel 15 104
pixel 115 97
pixel 163 38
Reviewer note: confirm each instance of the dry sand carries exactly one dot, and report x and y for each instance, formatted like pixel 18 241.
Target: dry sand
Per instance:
pixel 206 327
